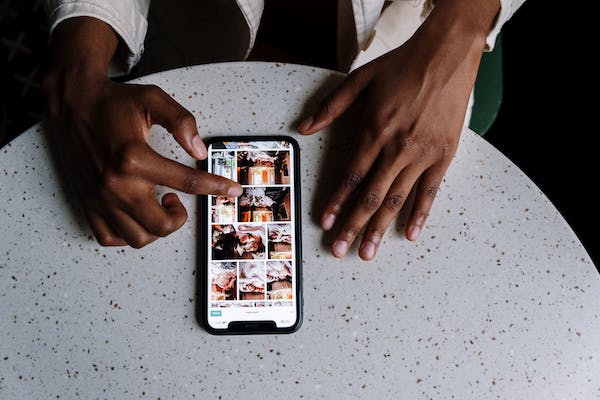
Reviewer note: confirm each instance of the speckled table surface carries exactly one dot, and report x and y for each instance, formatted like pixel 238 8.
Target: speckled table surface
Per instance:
pixel 498 299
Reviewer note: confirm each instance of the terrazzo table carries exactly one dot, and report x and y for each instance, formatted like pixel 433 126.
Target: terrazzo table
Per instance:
pixel 498 299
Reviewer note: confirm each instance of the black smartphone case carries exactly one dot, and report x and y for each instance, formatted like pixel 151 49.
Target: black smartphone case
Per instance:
pixel 251 327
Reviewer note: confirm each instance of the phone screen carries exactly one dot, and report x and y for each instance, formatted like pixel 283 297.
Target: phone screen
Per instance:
pixel 253 249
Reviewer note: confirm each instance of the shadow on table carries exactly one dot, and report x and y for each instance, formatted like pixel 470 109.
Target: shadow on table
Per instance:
pixel 71 199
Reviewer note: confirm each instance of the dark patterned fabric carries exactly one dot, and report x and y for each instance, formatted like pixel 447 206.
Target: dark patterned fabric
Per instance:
pixel 23 42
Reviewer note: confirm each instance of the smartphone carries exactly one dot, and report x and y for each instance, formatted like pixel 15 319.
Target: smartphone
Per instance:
pixel 252 244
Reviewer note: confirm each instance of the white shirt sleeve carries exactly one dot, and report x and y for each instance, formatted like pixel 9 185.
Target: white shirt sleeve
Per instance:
pixel 252 11
pixel 126 17
pixel 507 9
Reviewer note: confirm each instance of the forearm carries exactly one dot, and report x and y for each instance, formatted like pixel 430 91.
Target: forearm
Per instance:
pixel 83 45
pixel 127 18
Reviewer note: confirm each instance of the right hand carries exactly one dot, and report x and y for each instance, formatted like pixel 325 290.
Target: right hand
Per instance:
pixel 100 128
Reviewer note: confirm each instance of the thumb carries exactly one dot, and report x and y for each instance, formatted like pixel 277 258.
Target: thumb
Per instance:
pixel 335 104
pixel 165 111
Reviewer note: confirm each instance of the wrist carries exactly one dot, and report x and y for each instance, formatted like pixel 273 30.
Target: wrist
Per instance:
pixel 462 17
pixel 453 37
pixel 462 23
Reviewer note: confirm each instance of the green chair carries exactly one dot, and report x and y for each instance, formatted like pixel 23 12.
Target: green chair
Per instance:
pixel 488 90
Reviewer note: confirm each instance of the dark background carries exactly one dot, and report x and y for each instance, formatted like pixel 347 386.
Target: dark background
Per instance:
pixel 544 125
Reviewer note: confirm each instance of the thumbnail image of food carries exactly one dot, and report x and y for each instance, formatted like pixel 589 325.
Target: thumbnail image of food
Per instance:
pixel 238 241
pixel 256 167
pixel 258 204
pixel 252 280
pixel 223 164
pixel 223 281
pixel 223 209
pixel 279 280
pixel 280 241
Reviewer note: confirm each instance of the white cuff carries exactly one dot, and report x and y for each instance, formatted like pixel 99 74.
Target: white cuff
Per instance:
pixel 507 9
pixel 252 12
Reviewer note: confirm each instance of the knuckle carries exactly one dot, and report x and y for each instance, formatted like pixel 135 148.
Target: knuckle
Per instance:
pixel 110 180
pixel 426 147
pixel 130 159
pixel 139 240
pixel 349 232
pixel 164 227
pixel 186 120
pixel 221 186
pixel 374 234
pixel 407 140
pixel 431 191
pixel 352 180
pixel 394 201
pixel 421 215
pixel 153 90
pixel 106 240
pixel 335 208
pixel 371 201
pixel 199 184
pixel 328 107
pixel 448 149
pixel 191 184
pixel 177 221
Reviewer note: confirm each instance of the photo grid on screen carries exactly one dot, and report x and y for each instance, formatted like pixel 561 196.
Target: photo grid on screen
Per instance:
pixel 251 242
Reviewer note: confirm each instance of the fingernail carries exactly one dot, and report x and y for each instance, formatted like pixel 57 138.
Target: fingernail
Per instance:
pixel 199 147
pixel 235 191
pixel 414 232
pixel 339 248
pixel 328 221
pixel 306 124
pixel 367 250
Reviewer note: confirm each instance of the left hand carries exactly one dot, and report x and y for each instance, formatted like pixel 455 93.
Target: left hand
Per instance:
pixel 414 101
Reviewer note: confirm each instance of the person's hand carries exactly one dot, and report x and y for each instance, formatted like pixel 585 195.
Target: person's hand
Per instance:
pixel 99 129
pixel 413 102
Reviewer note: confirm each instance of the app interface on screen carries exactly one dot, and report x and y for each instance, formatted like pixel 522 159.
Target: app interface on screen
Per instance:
pixel 251 254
